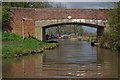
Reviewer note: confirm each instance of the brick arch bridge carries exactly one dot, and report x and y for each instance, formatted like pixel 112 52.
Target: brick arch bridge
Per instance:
pixel 37 20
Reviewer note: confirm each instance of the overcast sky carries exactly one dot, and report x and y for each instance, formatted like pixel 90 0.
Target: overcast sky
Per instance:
pixel 88 5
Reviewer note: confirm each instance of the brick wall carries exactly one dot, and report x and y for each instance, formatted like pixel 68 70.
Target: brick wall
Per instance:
pixel 16 21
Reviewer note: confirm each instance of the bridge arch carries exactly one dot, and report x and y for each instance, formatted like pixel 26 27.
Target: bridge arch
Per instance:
pixel 41 25
pixel 38 19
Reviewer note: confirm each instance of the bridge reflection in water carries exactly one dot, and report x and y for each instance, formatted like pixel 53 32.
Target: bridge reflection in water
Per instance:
pixel 71 59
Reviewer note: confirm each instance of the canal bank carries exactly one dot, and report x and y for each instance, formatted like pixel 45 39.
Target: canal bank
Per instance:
pixel 14 46
pixel 72 59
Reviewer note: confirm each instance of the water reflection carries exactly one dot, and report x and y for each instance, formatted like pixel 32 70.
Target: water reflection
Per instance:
pixel 71 59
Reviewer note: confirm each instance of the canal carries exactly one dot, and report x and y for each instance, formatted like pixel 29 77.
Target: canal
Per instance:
pixel 72 59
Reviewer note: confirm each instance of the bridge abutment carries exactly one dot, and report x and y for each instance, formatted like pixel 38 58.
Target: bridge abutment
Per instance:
pixel 40 33
pixel 43 35
pixel 100 32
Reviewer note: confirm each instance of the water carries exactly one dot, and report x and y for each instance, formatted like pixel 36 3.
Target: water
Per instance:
pixel 72 59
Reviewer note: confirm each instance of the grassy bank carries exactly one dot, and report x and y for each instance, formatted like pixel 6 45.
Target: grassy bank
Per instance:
pixel 110 41
pixel 27 46
pixel 90 39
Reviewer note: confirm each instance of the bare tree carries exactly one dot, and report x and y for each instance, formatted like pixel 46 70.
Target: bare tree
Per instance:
pixel 78 29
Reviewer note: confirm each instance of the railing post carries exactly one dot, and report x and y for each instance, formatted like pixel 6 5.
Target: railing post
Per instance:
pixel 23 19
pixel 23 27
